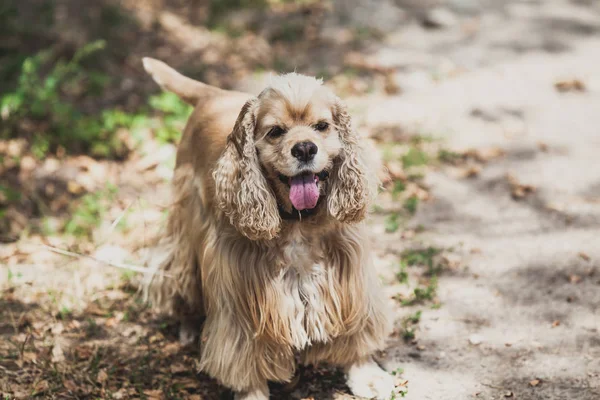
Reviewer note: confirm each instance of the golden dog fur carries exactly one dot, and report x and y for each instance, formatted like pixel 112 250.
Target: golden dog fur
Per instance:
pixel 271 288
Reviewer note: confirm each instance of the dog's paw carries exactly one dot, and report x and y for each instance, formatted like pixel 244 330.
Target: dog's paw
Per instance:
pixel 260 394
pixel 368 380
pixel 188 334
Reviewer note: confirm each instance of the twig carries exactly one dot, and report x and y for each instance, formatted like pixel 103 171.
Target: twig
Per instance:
pixel 120 217
pixel 109 263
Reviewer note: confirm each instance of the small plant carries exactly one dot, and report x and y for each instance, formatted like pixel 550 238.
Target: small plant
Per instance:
pixel 392 223
pixel 402 275
pixel 87 214
pixel 424 256
pixel 398 188
pixel 411 204
pixel 414 158
pixel 449 157
pixel 175 114
pixel 422 294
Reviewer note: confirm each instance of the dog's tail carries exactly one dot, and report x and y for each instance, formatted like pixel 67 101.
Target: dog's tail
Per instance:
pixel 189 90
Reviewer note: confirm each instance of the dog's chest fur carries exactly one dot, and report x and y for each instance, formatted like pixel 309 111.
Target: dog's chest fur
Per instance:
pixel 305 291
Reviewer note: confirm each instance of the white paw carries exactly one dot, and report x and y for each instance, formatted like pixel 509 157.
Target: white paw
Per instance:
pixel 259 394
pixel 187 334
pixel 369 381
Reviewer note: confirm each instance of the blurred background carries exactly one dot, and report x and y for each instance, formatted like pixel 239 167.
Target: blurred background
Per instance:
pixel 486 233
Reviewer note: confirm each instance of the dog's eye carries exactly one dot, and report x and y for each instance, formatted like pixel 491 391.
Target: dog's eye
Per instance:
pixel 321 126
pixel 276 131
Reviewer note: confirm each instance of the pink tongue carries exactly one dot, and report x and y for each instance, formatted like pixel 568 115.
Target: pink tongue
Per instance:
pixel 304 192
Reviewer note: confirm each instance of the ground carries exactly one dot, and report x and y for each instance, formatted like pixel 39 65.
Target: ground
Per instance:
pixel 486 237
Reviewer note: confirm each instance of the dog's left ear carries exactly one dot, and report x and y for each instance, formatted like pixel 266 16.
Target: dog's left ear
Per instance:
pixel 354 182
pixel 241 189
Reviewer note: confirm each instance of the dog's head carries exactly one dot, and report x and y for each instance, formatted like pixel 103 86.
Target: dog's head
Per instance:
pixel 292 149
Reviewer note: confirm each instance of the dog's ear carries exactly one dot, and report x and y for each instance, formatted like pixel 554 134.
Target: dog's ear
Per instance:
pixel 241 188
pixel 353 182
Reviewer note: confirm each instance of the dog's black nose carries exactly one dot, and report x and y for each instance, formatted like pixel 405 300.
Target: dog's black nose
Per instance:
pixel 305 151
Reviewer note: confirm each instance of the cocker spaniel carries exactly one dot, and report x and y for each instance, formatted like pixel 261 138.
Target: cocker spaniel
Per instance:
pixel 264 238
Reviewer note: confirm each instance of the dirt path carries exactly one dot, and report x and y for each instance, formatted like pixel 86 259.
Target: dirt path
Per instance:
pixel 521 314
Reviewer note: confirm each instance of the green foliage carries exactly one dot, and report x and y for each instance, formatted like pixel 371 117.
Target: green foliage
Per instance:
pixel 414 158
pixel 422 294
pixel 392 223
pixel 41 98
pixel 175 114
pixel 89 211
pixel 402 275
pixel 411 204
pixel 449 157
pixel 424 256
pixel 398 188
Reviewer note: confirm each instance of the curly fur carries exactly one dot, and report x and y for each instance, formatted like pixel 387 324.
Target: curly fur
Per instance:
pixel 241 189
pixel 270 288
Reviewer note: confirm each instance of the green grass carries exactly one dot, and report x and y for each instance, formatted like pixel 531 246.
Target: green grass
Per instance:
pixel 411 204
pixel 392 223
pixel 88 212
pixel 415 157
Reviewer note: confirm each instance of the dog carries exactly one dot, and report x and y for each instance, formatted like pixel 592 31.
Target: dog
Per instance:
pixel 264 240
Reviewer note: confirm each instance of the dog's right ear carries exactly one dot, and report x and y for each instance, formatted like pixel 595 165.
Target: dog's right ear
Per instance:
pixel 168 79
pixel 241 190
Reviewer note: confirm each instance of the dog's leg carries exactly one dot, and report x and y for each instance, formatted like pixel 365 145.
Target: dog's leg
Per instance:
pixel 353 351
pixel 231 354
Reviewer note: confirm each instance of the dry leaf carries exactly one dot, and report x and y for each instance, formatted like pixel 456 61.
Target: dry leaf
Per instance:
pixel 517 189
pixel 42 386
pixel 178 368
pixel 542 146
pixel 485 154
pixel 70 385
pixel 102 376
pixel 584 256
pixel 535 382
pixel 571 85
pixel 156 394
pixel 555 323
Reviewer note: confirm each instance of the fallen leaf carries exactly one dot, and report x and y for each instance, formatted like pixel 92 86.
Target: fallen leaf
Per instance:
pixel 584 256
pixel 156 394
pixel 178 368
pixel 485 154
pixel 535 382
pixel 570 85
pixel 29 356
pixel 102 376
pixel 517 189
pixel 74 187
pixel 70 385
pixel 542 146
pixel 41 386
pixel 555 323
